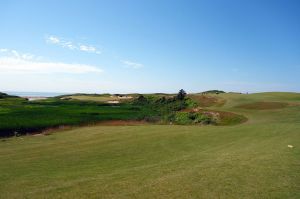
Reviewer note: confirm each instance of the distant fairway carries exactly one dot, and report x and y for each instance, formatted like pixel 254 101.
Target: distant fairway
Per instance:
pixel 249 160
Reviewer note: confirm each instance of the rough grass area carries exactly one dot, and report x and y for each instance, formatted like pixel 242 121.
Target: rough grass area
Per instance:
pixel 209 116
pixel 207 100
pixel 20 116
pixel 227 118
pixel 263 105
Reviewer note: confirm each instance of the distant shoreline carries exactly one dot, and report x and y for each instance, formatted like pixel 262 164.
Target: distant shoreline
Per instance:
pixel 34 95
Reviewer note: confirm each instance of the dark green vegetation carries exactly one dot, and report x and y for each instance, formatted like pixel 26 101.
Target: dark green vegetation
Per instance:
pixel 207 117
pixel 249 160
pixel 20 116
pixel 213 92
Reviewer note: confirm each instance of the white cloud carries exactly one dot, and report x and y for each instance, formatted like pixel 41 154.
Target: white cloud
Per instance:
pixel 15 53
pixel 131 64
pixel 69 45
pixel 3 50
pixel 27 56
pixel 53 40
pixel 18 63
pixel 87 48
pixel 72 46
pixel 14 65
pixel 61 42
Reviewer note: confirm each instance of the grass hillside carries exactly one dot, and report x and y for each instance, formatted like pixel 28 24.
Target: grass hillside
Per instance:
pixel 248 160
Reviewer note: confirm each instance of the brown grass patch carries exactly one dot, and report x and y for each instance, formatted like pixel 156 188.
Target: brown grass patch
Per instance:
pixel 207 101
pixel 228 118
pixel 225 118
pixel 263 105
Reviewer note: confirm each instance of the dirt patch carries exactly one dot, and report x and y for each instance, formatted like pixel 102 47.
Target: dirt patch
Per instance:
pixel 207 101
pixel 263 105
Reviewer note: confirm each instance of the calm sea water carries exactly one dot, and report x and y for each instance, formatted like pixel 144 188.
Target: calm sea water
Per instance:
pixel 33 94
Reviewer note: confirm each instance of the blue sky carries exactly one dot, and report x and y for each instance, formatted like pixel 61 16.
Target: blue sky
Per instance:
pixel 149 46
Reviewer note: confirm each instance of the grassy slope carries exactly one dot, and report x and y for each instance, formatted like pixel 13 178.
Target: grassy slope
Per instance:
pixel 250 160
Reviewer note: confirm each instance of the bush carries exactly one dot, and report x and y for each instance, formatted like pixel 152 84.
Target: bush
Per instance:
pixel 183 118
pixel 141 100
pixel 203 119
pixel 192 118
pixel 190 103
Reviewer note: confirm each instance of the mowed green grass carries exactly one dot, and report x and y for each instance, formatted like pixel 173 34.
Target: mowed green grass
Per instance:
pixel 250 160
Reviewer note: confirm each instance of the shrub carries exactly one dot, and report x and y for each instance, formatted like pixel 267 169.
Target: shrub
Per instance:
pixel 203 119
pixel 192 118
pixel 190 103
pixel 141 100
pixel 183 118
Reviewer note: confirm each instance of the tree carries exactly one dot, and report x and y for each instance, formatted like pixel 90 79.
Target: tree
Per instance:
pixel 141 99
pixel 181 94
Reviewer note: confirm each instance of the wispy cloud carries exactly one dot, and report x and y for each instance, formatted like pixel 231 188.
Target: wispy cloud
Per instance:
pixel 3 50
pixel 89 49
pixel 53 40
pixel 68 45
pixel 13 62
pixel 71 45
pixel 131 64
